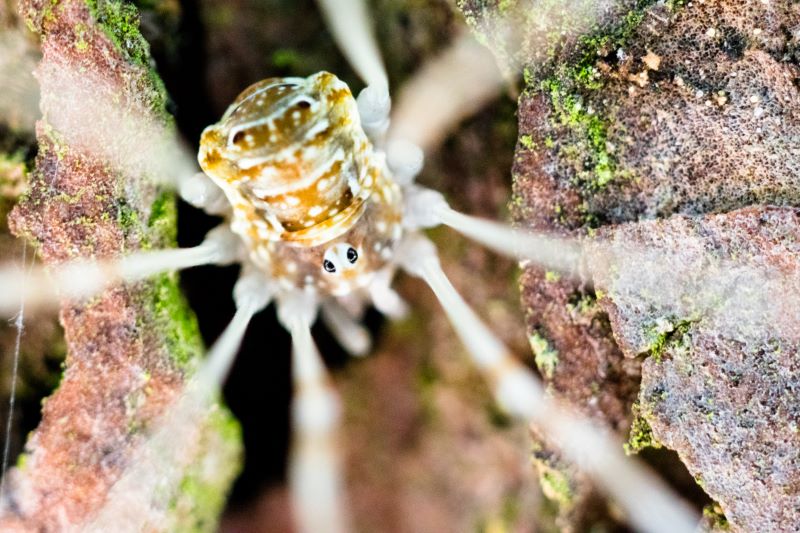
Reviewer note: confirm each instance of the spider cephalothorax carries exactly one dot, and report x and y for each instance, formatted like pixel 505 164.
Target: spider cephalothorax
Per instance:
pixel 301 176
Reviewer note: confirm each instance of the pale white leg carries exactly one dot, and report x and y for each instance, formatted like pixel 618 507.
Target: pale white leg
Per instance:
pixel 405 159
pixel 374 106
pixel 351 335
pixel 649 504
pixel 384 298
pixel 349 23
pixel 446 90
pixel 200 191
pixel 84 278
pixel 315 478
pixel 425 208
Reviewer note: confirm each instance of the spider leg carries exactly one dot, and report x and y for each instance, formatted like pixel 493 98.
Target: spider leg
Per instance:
pixel 350 334
pixel 446 90
pixel 348 21
pixel 84 278
pixel 201 192
pixel 426 208
pixel 384 298
pixel 315 478
pixel 648 503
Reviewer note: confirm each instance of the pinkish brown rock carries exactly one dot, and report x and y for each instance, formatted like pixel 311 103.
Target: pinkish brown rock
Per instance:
pixel 714 304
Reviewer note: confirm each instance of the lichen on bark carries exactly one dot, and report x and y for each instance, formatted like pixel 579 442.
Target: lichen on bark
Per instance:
pixel 132 348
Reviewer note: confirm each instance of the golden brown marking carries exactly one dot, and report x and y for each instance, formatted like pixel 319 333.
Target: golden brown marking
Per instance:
pixel 301 175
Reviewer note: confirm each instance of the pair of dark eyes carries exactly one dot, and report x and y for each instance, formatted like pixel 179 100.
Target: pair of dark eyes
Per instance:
pixel 352 256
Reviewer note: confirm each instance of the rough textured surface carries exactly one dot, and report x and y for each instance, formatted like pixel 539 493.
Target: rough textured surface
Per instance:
pixel 611 139
pixel 715 303
pixel 666 107
pixel 694 112
pixel 41 347
pixel 129 350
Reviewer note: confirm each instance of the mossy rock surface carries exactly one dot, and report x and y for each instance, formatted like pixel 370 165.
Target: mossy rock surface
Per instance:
pixel 723 390
pixel 662 110
pixel 131 349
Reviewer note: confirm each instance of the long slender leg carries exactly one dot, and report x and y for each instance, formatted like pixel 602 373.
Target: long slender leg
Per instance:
pixel 199 191
pixel 349 23
pixel 85 278
pixel 446 90
pixel 384 298
pixel 426 208
pixel 315 479
pixel 649 504
pixel 350 334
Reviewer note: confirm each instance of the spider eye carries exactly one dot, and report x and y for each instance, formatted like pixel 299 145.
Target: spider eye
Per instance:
pixel 328 266
pixel 352 255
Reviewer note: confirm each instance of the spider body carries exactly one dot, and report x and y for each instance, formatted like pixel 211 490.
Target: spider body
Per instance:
pixel 311 198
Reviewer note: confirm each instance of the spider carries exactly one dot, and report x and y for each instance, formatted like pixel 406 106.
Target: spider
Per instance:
pixel 334 249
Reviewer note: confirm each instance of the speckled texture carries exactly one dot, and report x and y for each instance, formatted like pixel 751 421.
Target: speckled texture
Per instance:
pixel 715 303
pixel 130 348
pixel 675 108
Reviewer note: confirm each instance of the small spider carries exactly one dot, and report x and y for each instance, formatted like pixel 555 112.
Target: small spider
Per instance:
pixel 325 223
pixel 312 200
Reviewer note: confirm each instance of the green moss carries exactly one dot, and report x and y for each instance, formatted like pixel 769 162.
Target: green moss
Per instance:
pixel 128 219
pixel 80 37
pixel 665 333
pixel 163 219
pixel 545 356
pixel 641 435
pixel 598 166
pixel 119 21
pixel 582 303
pixel 503 6
pixel 551 276
pixel 199 501
pixel 568 87
pixel 22 461
pixel 674 5
pixel 527 141
pixel 716 517
pixel 555 486
pixel 599 294
pixel 174 318
pixel 527 77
